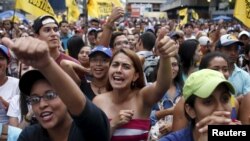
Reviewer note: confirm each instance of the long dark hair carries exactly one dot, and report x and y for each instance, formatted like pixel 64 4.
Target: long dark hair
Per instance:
pixel 187 52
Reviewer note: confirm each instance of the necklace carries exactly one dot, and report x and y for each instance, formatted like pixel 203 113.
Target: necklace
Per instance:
pixel 99 88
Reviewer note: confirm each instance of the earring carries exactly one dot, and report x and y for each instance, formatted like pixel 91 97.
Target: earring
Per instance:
pixel 133 84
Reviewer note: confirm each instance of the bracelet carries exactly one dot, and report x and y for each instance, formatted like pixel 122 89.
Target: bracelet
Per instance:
pixel 26 118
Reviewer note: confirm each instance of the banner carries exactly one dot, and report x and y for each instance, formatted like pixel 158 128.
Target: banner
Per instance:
pixel 73 11
pixel 102 8
pixel 35 7
pixel 241 12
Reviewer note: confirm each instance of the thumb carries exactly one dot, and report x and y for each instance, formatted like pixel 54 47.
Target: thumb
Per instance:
pixel 163 32
pixel 7 42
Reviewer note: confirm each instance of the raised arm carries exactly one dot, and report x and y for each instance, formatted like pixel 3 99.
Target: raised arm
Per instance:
pixel 117 13
pixel 72 68
pixel 167 48
pixel 34 52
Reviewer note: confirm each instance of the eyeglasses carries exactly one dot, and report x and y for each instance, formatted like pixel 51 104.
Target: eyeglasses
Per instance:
pixel 34 99
pixel 121 43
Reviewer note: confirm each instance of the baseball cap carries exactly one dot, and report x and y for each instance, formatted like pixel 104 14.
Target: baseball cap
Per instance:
pixel 5 51
pixel 41 21
pixel 228 39
pixel 204 40
pixel 203 82
pixel 28 79
pixel 101 49
pixel 244 33
pixel 150 28
pixel 92 30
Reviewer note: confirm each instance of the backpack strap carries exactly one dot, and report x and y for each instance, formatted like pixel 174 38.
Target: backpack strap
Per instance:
pixel 4 134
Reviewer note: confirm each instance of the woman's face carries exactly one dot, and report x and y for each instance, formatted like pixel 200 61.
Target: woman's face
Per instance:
pixel 99 65
pixel 122 72
pixel 83 55
pixel 50 113
pixel 219 64
pixel 219 100
pixel 198 54
pixel 175 67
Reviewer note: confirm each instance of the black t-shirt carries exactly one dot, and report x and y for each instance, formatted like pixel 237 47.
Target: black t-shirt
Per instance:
pixel 87 90
pixel 91 125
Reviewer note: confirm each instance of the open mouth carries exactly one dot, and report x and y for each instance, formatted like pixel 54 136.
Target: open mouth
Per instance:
pixel 46 116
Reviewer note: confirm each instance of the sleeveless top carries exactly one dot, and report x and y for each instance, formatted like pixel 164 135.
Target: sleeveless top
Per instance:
pixel 135 130
pixel 87 90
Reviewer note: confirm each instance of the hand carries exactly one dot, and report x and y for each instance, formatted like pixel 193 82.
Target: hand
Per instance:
pixel 165 46
pixel 32 52
pixel 217 118
pixel 117 12
pixel 165 128
pixel 122 118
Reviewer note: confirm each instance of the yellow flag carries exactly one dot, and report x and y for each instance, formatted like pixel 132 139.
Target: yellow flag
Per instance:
pixel 195 15
pixel 241 11
pixel 73 10
pixel 102 8
pixel 183 12
pixel 35 7
pixel 184 20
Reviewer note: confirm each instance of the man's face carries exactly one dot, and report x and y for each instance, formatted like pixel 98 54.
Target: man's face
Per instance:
pixel 92 37
pixel 121 42
pixel 94 24
pixel 64 28
pixel 232 52
pixel 50 34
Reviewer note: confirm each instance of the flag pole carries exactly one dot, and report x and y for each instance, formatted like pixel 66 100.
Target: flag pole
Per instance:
pixel 14 13
pixel 85 3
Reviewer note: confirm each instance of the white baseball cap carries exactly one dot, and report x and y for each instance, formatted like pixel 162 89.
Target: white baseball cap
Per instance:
pixel 229 39
pixel 244 33
pixel 204 40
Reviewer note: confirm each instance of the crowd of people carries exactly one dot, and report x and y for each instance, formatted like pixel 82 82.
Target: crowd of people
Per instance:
pixel 122 80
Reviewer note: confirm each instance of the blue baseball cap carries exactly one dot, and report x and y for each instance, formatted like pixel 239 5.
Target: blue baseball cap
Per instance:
pixel 105 50
pixel 5 51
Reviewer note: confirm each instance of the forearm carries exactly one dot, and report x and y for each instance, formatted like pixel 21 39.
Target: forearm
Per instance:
pixel 65 87
pixel 68 68
pixel 164 75
pixel 162 113
pixel 107 33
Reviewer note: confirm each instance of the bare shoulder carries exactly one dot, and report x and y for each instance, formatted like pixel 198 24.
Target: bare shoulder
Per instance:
pixel 101 99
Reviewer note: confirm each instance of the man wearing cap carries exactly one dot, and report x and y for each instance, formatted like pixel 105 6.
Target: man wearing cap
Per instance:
pixel 62 110
pixel 207 96
pixel 229 45
pixel 46 29
pixel 92 36
pixel 244 37
pixel 8 85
